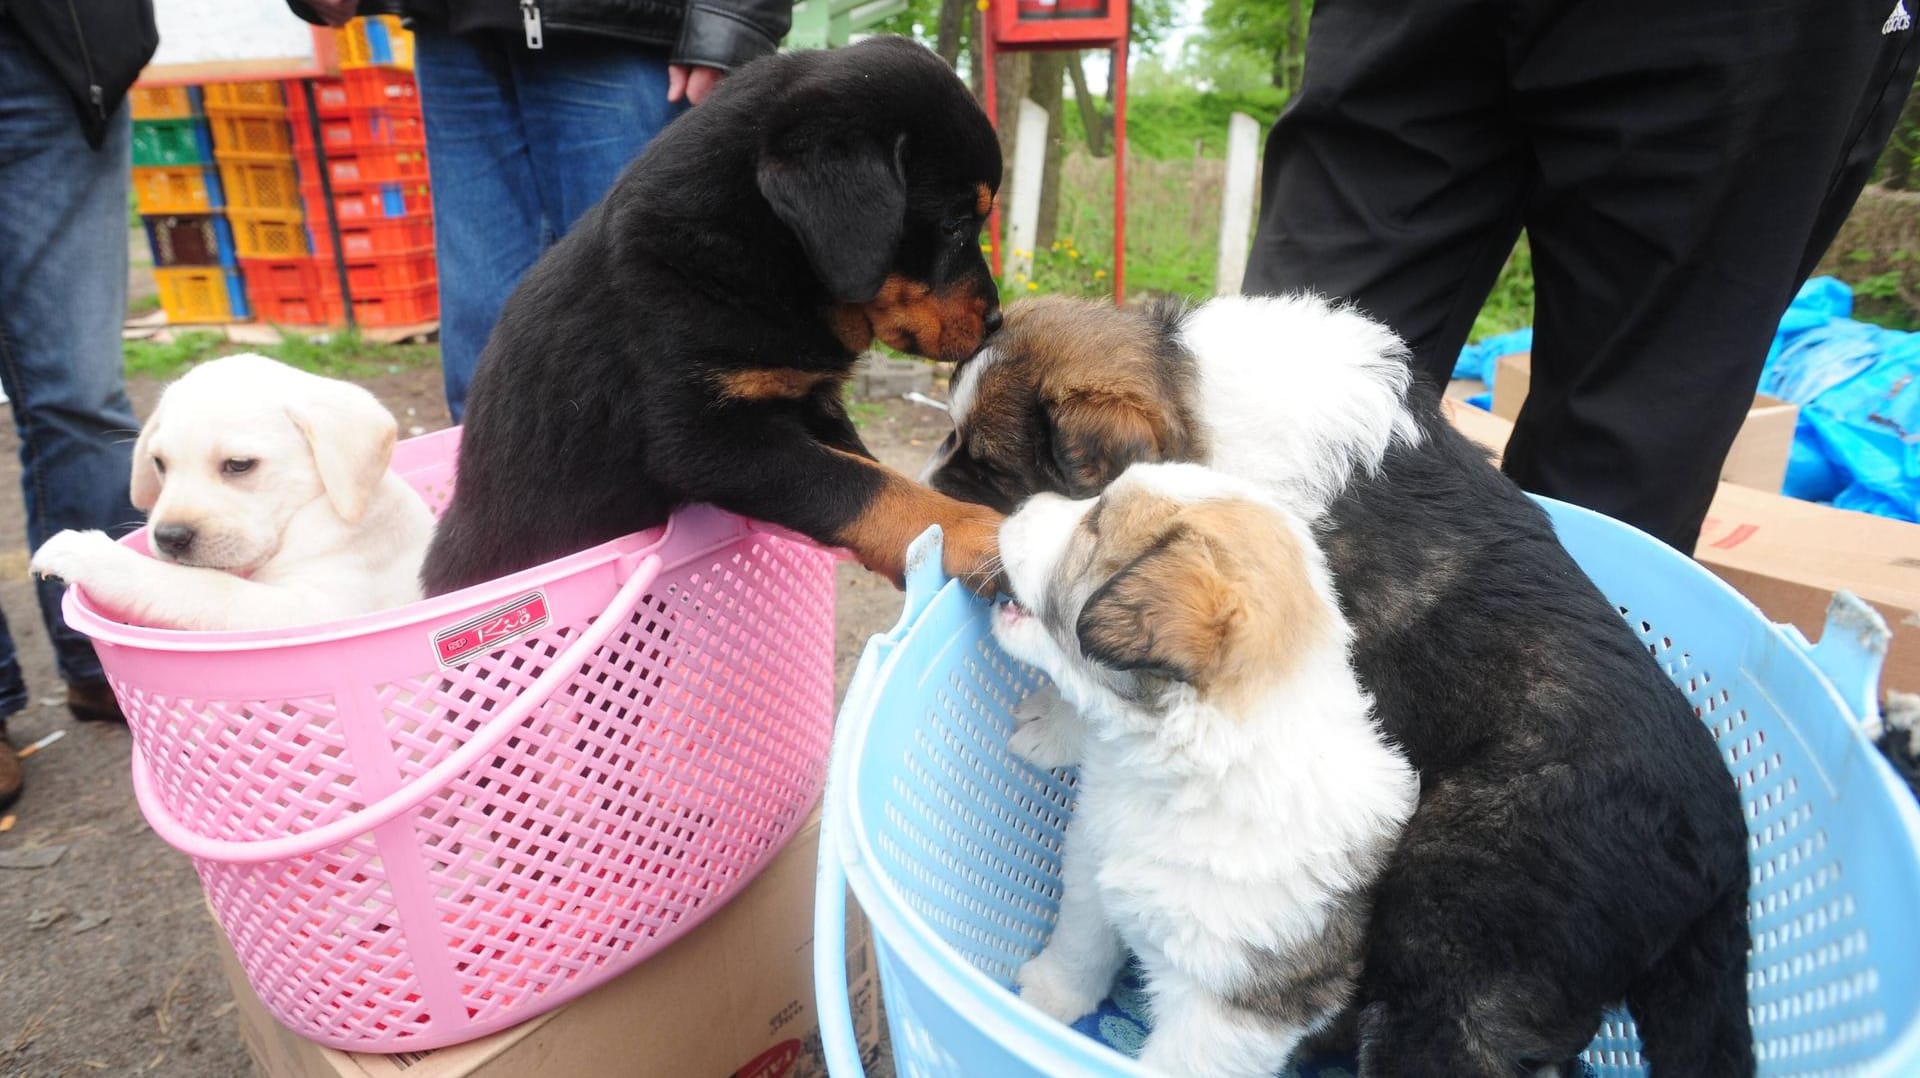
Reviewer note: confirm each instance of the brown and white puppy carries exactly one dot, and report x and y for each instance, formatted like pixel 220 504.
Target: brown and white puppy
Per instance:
pixel 1236 800
pixel 270 503
pixel 1577 841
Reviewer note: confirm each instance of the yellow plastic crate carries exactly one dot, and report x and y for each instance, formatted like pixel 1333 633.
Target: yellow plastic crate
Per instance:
pixel 194 294
pixel 260 97
pixel 176 189
pixel 163 102
pixel 247 136
pixel 375 41
pixel 261 185
pixel 277 234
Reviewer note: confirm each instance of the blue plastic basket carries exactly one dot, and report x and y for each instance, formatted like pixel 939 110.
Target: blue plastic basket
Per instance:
pixel 951 844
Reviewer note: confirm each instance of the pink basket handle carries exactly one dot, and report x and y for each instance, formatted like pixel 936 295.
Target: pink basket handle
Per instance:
pixel 404 799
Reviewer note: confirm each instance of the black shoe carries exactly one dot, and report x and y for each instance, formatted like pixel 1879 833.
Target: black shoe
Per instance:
pixel 11 778
pixel 93 701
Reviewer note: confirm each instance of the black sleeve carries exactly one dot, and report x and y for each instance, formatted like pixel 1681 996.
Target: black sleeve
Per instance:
pixel 727 33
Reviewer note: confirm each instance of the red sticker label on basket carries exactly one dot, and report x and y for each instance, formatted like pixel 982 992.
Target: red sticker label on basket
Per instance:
pixel 487 632
pixel 775 1062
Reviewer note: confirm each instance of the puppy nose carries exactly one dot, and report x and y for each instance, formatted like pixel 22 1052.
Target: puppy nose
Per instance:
pixel 174 539
pixel 992 321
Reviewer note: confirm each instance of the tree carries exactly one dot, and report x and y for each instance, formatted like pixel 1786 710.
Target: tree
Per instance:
pixel 1275 30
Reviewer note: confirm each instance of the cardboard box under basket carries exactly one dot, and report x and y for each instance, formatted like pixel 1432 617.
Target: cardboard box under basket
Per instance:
pixel 731 999
pixel 1759 455
pixel 1788 556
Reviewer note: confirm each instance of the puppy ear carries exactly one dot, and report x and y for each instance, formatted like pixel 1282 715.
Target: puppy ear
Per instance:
pixel 351 436
pixel 143 487
pixel 1167 613
pixel 1098 436
pixel 845 197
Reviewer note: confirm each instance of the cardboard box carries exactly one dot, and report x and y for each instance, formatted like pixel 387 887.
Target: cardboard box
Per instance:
pixel 1788 556
pixel 1758 458
pixel 731 999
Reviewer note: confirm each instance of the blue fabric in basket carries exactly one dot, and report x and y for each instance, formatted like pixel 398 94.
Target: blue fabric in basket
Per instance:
pixel 1121 1023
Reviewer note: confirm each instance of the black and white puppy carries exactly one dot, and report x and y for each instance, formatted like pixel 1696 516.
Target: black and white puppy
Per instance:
pixel 1578 841
pixel 1236 799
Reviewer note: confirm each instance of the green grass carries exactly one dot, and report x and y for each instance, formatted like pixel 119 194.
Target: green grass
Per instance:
pixel 335 355
pixel 1176 125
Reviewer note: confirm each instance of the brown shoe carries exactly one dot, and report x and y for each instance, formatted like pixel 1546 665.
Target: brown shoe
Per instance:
pixel 92 701
pixel 10 776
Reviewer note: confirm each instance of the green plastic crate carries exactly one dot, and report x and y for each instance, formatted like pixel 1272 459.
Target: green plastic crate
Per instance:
pixel 183 141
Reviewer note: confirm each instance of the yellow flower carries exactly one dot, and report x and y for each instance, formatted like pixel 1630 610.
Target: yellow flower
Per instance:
pixel 1033 286
pixel 1097 274
pixel 981 4
pixel 1073 254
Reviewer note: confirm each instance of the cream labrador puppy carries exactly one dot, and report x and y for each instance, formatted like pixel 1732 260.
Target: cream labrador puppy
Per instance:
pixel 270 503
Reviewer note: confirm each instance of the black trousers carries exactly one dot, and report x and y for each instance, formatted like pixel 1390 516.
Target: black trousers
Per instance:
pixel 1679 166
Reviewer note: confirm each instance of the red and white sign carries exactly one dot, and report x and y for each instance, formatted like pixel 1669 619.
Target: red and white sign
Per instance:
pixel 489 631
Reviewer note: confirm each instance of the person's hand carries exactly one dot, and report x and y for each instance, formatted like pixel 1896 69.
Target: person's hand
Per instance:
pixel 334 12
pixel 683 80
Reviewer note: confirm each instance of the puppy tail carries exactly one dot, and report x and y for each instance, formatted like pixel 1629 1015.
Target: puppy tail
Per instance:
pixel 1691 1005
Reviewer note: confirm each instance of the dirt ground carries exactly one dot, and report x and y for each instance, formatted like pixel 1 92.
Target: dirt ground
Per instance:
pixel 107 956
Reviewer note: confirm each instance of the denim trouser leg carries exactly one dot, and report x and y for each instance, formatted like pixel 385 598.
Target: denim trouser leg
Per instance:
pixel 519 144
pixel 63 296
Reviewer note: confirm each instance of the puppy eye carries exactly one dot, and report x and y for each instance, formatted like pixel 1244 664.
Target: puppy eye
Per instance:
pixel 236 466
pixel 960 224
pixel 159 465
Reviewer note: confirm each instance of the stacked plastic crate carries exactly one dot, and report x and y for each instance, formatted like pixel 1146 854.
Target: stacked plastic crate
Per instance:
pixel 370 129
pixel 177 189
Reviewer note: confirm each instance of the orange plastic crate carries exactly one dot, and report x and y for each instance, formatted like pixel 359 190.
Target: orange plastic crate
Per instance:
pixel 380 87
pixel 174 189
pixel 377 166
pixel 373 201
pixel 276 234
pixel 393 235
pixel 250 136
pixel 198 294
pixel 164 102
pixel 329 96
pixel 261 185
pixel 265 98
pixel 380 273
pixel 287 291
pixel 363 129
pixel 375 41
pixel 400 308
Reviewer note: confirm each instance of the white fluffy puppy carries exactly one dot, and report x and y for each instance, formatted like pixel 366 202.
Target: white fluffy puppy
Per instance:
pixel 270 503
pixel 1236 798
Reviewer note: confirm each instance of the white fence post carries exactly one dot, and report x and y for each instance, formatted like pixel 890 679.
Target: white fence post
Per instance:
pixel 1236 207
pixel 1029 161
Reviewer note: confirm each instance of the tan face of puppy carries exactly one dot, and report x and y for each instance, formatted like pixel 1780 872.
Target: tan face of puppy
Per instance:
pixel 1063 399
pixel 1172 576
pixel 240 445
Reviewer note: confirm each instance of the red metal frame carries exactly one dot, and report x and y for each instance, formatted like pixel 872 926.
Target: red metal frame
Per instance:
pixel 1007 32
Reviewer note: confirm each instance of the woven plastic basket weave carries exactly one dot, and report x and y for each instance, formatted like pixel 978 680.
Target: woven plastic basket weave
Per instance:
pixel 951 844
pixel 430 823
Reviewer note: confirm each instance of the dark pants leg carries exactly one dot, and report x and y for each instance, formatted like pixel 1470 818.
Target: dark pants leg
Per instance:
pixel 1679 168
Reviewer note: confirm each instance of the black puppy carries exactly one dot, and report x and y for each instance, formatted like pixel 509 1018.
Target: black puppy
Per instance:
pixel 689 339
pixel 1578 841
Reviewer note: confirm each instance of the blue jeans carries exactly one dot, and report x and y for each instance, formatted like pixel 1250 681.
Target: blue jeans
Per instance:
pixel 63 295
pixel 520 143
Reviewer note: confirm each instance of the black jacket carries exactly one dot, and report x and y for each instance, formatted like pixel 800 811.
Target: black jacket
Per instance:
pixel 96 47
pixel 709 33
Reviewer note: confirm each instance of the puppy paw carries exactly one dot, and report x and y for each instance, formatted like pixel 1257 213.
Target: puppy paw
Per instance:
pixel 1049 730
pixel 1047 984
pixel 970 549
pixel 77 557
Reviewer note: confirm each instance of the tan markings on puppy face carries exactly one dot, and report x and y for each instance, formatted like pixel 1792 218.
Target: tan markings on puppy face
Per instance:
pixel 851 327
pixel 1213 593
pixel 775 383
pixel 982 199
pixel 912 317
pixel 901 510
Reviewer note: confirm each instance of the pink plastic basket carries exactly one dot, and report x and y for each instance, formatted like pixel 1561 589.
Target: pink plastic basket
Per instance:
pixel 430 823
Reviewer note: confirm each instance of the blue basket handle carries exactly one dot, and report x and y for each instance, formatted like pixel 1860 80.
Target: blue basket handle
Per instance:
pixel 925 577
pixel 837 1040
pixel 1851 651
